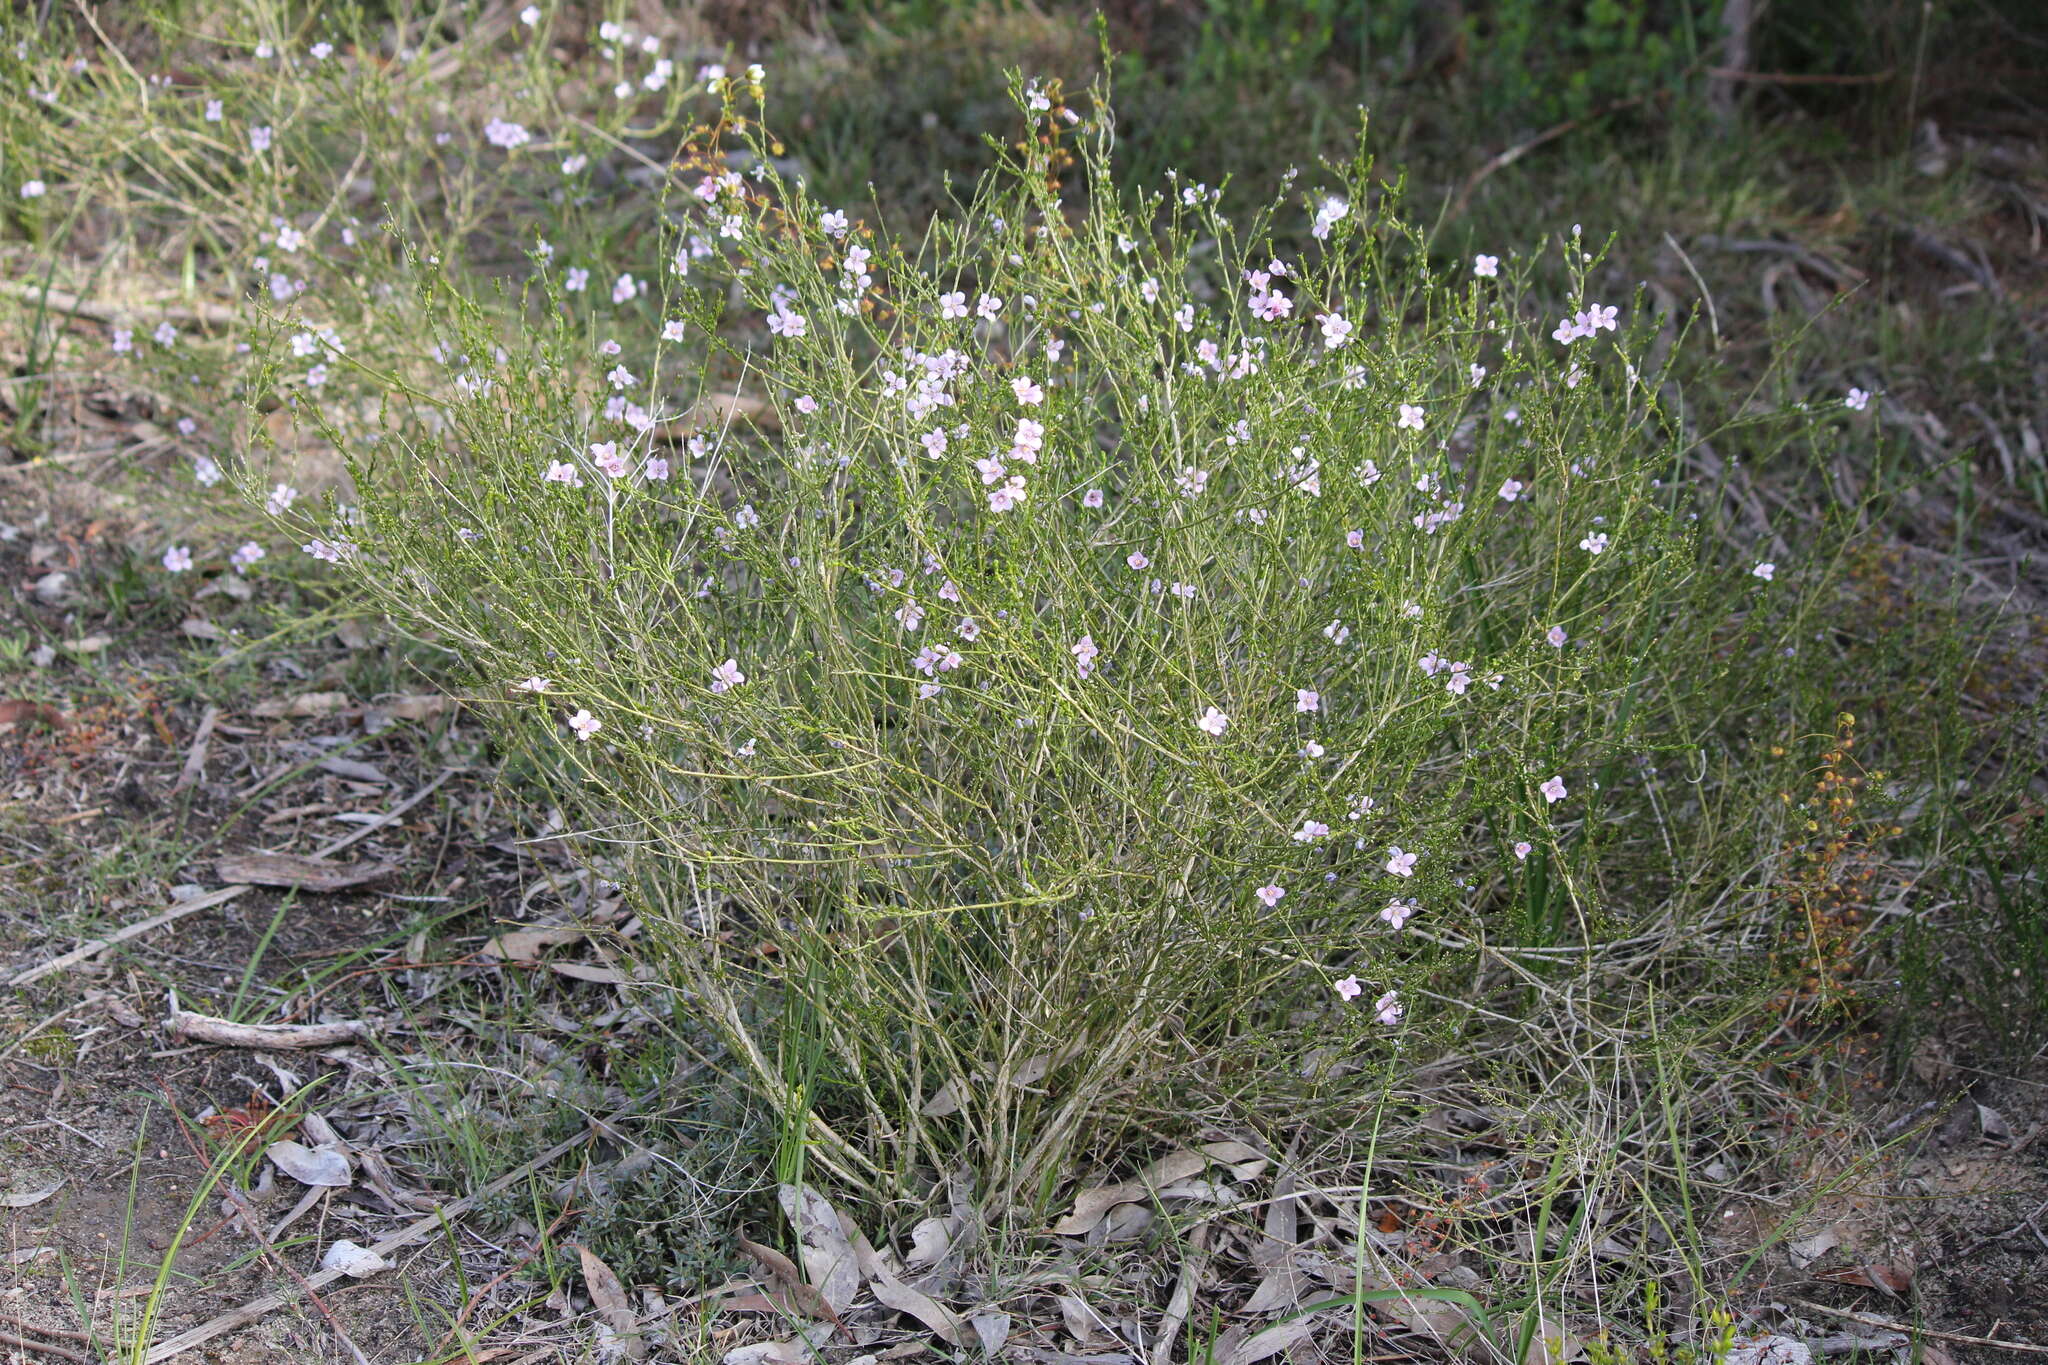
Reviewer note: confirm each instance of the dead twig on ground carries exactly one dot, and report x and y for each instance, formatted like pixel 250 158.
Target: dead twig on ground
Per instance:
pixel 204 1028
pixel 412 1232
pixel 46 1347
pixel 58 301
pixel 93 947
pixel 1873 1320
pixel 1502 160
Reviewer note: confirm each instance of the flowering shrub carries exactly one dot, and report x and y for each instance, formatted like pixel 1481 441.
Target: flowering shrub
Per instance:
pixel 1043 657
pixel 1069 659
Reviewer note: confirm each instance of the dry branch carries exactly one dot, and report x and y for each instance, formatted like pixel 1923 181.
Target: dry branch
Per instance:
pixel 406 1236
pixel 93 947
pixel 204 1028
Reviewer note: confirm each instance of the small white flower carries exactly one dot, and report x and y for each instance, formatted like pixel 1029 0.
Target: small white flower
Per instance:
pixel 584 724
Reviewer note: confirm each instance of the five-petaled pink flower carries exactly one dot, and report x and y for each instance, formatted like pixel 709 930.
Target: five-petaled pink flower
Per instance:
pixel 1270 894
pixel 1348 988
pixel 1399 912
pixel 727 676
pixel 1553 790
pixel 584 724
pixel 1399 863
pixel 1213 722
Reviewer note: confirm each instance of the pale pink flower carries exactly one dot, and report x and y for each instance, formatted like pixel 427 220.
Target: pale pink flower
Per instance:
pixel 1084 651
pixel 1348 988
pixel 1766 571
pixel 727 676
pixel 1553 790
pixel 536 683
pixel 1270 894
pixel 1399 863
pixel 1028 393
pixel 1213 722
pixel 1336 330
pixel 1511 490
pixel 1856 400
pixel 561 471
pixel 1307 699
pixel 1310 831
pixel 1523 848
pixel 1387 1009
pixel 1410 417
pixel 1092 498
pixel 1555 636
pixel 1486 267
pixel 1399 912
pixel 178 558
pixel 584 724
pixel 1137 560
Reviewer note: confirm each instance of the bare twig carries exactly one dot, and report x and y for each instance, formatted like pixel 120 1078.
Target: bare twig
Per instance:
pixel 47 1348
pixel 329 850
pixel 1502 160
pixel 94 947
pixel 1873 1320
pixel 58 301
pixel 413 1232
pixel 204 1028
pixel 1789 78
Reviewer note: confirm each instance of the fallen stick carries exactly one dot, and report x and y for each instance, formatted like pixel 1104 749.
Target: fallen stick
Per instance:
pixel 329 850
pixel 412 1232
pixel 96 946
pixel 61 301
pixel 204 1028
pixel 1873 1320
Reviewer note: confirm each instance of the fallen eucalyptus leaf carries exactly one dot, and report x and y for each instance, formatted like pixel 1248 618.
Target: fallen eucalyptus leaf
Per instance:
pixel 311 1165
pixel 27 1198
pixel 608 1296
pixel 356 1262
